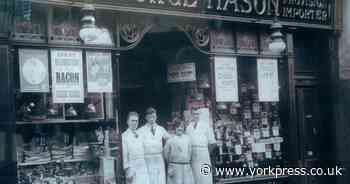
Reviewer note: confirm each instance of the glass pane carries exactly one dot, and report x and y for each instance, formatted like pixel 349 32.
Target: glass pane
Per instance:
pixel 65 24
pixel 30 19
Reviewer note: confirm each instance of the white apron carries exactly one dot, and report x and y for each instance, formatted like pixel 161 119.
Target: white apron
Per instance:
pixel 153 146
pixel 201 137
pixel 177 152
pixel 133 157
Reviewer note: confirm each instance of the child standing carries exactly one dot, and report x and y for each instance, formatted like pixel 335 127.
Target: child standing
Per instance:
pixel 177 152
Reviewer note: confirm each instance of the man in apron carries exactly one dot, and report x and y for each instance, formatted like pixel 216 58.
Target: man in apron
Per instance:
pixel 134 162
pixel 153 137
pixel 202 136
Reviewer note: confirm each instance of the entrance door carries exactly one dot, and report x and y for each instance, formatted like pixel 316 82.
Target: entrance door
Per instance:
pixel 310 128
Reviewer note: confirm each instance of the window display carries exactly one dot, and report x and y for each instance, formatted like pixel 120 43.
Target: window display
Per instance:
pixel 62 142
pixel 248 132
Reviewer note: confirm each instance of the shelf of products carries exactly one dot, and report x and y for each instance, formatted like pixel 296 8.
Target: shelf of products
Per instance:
pixel 53 161
pixel 249 131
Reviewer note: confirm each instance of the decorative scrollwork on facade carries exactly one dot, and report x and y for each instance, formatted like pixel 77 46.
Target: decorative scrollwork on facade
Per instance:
pixel 132 34
pixel 199 36
pixel 202 37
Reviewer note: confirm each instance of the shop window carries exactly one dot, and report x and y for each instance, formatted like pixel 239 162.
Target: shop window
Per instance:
pixel 58 139
pixel 248 132
pixel 65 25
pixel 6 7
pixel 30 21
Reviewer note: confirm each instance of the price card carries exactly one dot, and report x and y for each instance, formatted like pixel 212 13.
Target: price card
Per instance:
pixel 256 107
pixel 259 148
pixel 277 146
pixel 247 115
pixel 268 154
pixel 264 121
pixel 275 131
pixel 238 149
pixel 257 134
pixel 266 132
pixel 250 140
pixel 249 156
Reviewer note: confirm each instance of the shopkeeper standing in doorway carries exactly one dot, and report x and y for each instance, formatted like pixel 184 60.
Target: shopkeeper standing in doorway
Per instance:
pixel 133 153
pixel 153 137
pixel 202 138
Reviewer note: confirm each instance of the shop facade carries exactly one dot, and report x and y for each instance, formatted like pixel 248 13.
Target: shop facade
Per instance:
pixel 70 97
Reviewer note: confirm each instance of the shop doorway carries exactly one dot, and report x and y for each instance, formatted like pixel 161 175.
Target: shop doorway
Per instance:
pixel 143 76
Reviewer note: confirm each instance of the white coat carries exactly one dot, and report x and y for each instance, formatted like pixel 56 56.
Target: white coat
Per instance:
pixel 201 137
pixel 177 152
pixel 133 157
pixel 153 146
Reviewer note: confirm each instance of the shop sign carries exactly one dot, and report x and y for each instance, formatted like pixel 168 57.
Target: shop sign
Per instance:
pixel 99 72
pixel 268 80
pixel 222 40
pixel 297 11
pixel 226 83
pixel 247 42
pixel 181 72
pixel 67 76
pixel 34 72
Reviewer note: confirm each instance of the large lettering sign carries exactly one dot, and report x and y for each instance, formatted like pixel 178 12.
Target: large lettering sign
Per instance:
pixel 317 12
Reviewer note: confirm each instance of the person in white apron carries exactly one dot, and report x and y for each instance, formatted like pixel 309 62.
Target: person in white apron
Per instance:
pixel 153 137
pixel 202 136
pixel 134 162
pixel 177 152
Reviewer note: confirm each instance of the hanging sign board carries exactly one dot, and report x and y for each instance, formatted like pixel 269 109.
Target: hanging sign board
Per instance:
pixel 268 80
pixel 34 73
pixel 181 72
pixel 226 83
pixel 99 72
pixel 67 76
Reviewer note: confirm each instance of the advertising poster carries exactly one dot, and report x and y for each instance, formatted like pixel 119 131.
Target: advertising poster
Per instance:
pixel 268 80
pixel 181 72
pixel 99 72
pixel 226 82
pixel 67 76
pixel 34 72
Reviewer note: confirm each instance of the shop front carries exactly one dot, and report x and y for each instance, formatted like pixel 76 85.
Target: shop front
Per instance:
pixel 77 71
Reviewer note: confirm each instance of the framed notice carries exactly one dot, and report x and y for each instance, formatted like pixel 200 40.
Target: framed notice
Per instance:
pixel 226 83
pixel 99 72
pixel 67 76
pixel 34 73
pixel 181 72
pixel 268 80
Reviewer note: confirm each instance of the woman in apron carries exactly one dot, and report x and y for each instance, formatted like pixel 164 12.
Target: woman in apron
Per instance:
pixel 177 152
pixel 153 137
pixel 201 136
pixel 133 153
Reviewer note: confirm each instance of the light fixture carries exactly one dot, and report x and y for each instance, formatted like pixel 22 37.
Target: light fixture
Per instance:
pixel 277 44
pixel 204 81
pixel 88 31
pixel 221 106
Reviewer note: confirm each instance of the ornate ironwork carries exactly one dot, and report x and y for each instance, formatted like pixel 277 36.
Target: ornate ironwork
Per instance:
pixel 199 36
pixel 132 34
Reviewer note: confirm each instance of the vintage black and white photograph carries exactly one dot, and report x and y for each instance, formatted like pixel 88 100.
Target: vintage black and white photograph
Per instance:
pixel 174 91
